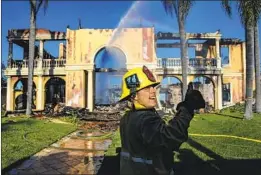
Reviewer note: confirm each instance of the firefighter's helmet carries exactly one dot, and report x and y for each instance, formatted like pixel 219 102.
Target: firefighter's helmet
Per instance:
pixel 135 80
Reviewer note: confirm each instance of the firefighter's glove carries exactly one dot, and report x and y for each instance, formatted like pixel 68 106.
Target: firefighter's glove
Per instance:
pixel 193 100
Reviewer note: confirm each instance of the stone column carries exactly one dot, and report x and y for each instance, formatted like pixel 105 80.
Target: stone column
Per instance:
pixel 41 49
pixel 9 94
pixel 231 93
pixel 40 94
pixel 90 90
pixel 219 92
pixel 216 97
pixel 83 91
pixel 10 53
pixel 62 53
pixel 218 53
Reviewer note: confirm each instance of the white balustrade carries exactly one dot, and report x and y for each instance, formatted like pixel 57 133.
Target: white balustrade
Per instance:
pixel 47 63
pixel 53 63
pixel 193 62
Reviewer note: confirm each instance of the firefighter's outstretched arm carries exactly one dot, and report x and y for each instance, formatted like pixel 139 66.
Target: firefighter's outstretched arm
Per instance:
pixel 158 134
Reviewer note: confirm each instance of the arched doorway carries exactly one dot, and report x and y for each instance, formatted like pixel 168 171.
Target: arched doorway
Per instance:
pixel 170 93
pixel 110 65
pixel 55 91
pixel 20 94
pixel 206 87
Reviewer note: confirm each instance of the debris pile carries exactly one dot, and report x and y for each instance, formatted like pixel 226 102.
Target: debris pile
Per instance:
pixel 111 108
pixel 100 113
pixel 101 126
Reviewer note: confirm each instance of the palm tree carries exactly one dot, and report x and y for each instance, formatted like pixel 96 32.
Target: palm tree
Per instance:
pixel 34 8
pixel 249 11
pixel 257 70
pixel 181 9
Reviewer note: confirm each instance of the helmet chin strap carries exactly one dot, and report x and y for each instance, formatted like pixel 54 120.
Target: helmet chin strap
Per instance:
pixel 132 99
pixel 133 92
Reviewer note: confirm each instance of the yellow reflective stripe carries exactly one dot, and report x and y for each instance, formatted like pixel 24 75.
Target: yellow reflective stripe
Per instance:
pixel 228 136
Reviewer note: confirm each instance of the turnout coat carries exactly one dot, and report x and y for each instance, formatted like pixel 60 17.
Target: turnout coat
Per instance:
pixel 148 142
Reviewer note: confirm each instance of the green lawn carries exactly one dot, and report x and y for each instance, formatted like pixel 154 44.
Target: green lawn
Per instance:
pixel 23 137
pixel 215 154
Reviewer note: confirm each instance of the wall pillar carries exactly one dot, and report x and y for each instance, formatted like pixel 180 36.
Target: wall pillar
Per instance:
pixel 62 51
pixel 40 94
pixel 83 80
pixel 90 104
pixel 190 78
pixel 216 98
pixel 218 53
pixel 9 95
pixel 219 92
pixel 41 50
pixel 10 54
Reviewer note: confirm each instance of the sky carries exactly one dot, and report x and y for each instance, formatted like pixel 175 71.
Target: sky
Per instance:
pixel 205 16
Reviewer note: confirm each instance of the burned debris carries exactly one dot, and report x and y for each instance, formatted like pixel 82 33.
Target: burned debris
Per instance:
pixel 103 118
pixel 100 113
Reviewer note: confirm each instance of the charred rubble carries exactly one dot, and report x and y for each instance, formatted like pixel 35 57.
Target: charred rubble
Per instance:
pixel 103 118
pixel 101 113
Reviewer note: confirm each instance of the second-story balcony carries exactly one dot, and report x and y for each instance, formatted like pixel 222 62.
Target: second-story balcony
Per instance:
pixel 46 63
pixel 45 66
pixel 195 66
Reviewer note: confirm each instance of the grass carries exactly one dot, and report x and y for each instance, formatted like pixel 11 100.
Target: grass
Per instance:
pixel 116 142
pixel 23 137
pixel 221 155
pixel 73 119
pixel 214 124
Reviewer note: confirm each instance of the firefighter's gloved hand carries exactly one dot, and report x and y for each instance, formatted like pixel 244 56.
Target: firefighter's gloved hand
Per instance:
pixel 193 99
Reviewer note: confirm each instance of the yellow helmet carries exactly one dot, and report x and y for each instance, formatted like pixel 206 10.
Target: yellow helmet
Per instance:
pixel 135 80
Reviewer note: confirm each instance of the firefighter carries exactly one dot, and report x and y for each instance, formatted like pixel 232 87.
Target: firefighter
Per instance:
pixel 147 141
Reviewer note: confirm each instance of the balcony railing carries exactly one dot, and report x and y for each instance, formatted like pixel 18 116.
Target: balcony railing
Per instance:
pixel 46 63
pixel 193 62
pixel 54 63
pixel 21 64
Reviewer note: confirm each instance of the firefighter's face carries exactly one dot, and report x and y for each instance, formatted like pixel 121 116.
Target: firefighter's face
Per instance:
pixel 147 97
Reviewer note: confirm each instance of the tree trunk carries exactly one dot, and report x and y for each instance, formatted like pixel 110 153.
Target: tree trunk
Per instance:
pixel 184 54
pixel 249 71
pixel 31 57
pixel 257 71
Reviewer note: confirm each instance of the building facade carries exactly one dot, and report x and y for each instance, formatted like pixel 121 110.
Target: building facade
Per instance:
pixel 91 62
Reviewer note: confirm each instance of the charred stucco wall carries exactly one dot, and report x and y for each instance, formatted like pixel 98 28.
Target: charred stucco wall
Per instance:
pixel 84 44
pixel 136 43
pixel 62 51
pixel 236 58
pixel 75 88
pixel 205 51
pixel 236 62
pixel 211 52
pixel 236 87
pixel 234 74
